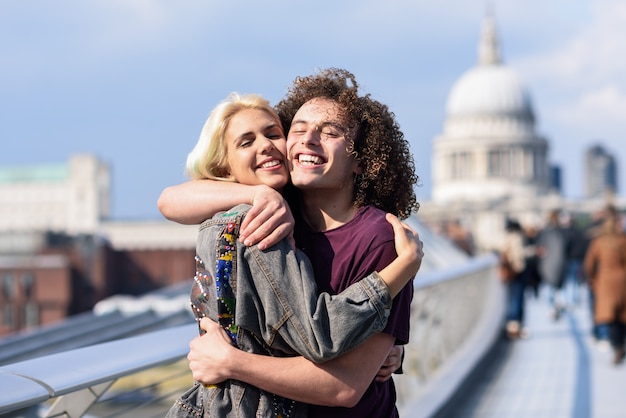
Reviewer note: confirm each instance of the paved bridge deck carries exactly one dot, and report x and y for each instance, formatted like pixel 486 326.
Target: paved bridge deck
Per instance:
pixel 558 371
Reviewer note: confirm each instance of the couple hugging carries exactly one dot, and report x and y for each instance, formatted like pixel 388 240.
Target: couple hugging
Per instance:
pixel 304 271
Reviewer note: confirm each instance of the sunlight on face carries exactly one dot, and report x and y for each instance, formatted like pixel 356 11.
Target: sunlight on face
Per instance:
pixel 318 147
pixel 256 149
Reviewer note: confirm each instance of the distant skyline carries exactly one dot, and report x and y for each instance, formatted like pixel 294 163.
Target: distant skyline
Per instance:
pixel 132 81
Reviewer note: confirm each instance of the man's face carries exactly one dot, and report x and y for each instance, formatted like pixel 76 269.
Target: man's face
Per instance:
pixel 317 146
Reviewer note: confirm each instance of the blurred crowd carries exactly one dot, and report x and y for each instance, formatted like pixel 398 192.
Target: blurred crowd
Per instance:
pixel 568 259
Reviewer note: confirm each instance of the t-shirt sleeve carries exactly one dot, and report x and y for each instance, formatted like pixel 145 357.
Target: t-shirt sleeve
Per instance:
pixel 376 259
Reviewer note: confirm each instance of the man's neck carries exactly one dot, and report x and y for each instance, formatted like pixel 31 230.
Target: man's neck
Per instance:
pixel 324 212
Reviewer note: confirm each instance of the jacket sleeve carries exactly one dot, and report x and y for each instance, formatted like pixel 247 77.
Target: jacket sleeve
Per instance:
pixel 277 299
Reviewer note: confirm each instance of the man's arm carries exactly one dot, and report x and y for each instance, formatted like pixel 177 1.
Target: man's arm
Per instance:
pixel 338 382
pixel 269 220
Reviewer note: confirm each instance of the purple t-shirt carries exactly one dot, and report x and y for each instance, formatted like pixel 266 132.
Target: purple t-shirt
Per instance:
pixel 341 257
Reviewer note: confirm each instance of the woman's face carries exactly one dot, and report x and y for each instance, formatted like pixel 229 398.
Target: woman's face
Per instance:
pixel 256 148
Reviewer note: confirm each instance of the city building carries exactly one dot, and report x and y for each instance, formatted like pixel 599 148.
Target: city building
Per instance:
pixel 600 172
pixel 490 163
pixel 60 253
pixel 71 197
pixel 489 149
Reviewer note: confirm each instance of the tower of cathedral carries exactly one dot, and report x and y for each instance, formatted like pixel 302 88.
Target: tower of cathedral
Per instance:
pixel 489 163
pixel 489 149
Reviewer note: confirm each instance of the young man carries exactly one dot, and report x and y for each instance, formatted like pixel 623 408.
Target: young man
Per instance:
pixel 350 164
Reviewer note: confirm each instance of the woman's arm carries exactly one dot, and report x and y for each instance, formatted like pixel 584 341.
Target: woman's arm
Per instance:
pixel 338 382
pixel 410 253
pixel 392 364
pixel 192 202
pixel 278 299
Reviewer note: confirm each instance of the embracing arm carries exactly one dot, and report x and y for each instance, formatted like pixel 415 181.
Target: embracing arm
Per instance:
pixel 281 304
pixel 194 201
pixel 269 220
pixel 410 253
pixel 338 382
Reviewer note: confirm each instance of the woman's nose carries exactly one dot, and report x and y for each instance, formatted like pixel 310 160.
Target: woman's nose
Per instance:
pixel 267 144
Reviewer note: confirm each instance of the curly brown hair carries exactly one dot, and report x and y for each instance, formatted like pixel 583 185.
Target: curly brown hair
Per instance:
pixel 388 177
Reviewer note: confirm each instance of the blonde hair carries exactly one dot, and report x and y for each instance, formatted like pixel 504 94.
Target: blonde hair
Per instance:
pixel 207 160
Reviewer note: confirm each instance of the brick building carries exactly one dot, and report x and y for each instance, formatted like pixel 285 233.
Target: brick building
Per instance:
pixel 60 254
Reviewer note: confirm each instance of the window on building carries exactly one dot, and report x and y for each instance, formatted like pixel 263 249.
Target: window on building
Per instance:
pixel 461 165
pixel 517 167
pixel 499 163
pixel 511 163
pixel 528 170
pixel 8 286
pixel 31 315
pixel 9 316
pixel 28 285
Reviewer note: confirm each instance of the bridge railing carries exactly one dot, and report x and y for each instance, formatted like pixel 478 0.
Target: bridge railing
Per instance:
pixel 455 318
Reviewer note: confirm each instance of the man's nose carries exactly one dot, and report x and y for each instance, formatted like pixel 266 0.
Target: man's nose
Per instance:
pixel 311 136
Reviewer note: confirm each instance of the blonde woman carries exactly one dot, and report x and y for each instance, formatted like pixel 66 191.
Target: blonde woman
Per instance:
pixel 267 300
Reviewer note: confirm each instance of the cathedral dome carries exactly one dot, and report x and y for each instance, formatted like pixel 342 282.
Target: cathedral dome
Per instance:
pixel 489 90
pixel 489 150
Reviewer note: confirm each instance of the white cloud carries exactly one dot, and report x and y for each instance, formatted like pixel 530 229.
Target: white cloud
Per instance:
pixel 579 82
pixel 43 40
pixel 592 55
pixel 604 107
pixel 596 117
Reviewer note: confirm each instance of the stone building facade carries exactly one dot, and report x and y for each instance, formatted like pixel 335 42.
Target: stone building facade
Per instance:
pixel 60 253
pixel 490 163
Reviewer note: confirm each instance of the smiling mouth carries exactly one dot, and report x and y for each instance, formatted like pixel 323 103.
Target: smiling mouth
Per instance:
pixel 270 164
pixel 310 159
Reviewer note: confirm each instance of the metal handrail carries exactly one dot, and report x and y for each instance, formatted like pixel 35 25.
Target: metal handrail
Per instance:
pixel 79 377
pixel 34 381
pixel 456 317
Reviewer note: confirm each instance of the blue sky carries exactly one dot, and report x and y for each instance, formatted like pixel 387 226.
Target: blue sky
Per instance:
pixel 132 81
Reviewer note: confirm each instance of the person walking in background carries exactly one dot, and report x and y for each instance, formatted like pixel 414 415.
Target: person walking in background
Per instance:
pixel 605 269
pixel 551 244
pixel 460 236
pixel 576 243
pixel 599 333
pixel 532 276
pixel 513 273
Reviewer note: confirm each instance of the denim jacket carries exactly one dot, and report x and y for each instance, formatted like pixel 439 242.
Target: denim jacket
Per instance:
pixel 267 302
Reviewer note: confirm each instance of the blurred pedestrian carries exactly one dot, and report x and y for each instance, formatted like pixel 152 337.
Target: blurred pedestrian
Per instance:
pixel 533 278
pixel 460 236
pixel 551 249
pixel 605 268
pixel 576 243
pixel 512 273
pixel 599 333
